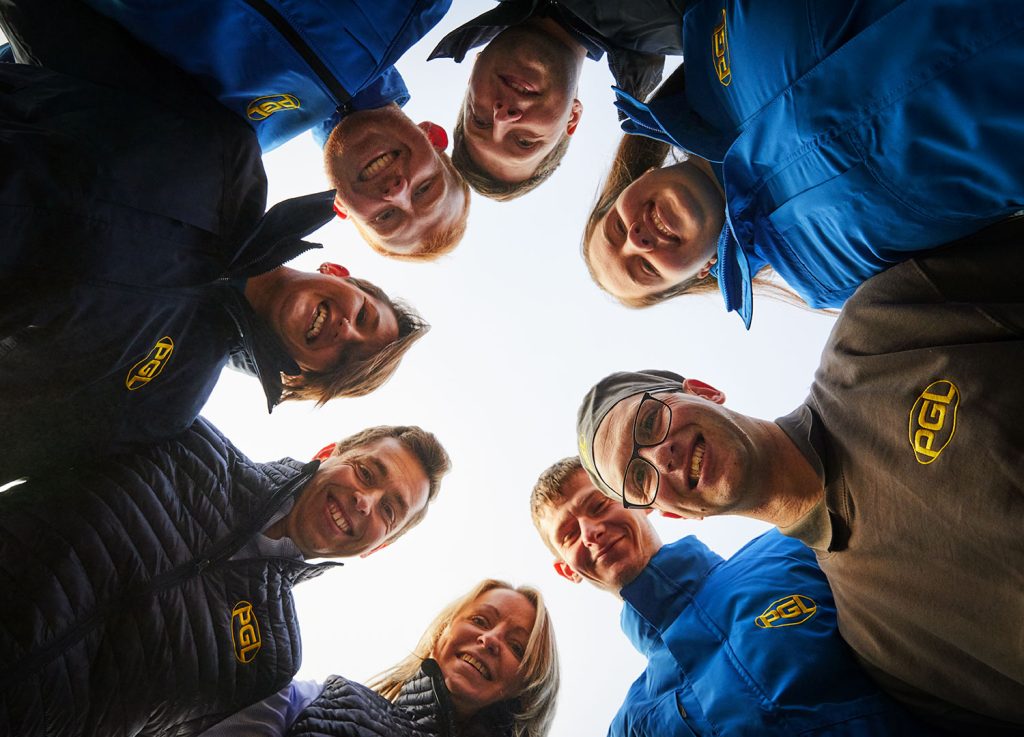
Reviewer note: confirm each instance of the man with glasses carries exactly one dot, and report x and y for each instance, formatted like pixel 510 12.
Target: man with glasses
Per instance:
pixel 902 471
pixel 742 646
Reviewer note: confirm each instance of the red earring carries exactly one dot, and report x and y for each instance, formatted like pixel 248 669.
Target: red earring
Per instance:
pixel 324 453
pixel 333 270
pixel 339 212
pixel 436 134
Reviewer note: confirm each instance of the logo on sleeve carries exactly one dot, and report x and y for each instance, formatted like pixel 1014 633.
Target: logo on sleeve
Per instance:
pixel 150 367
pixel 263 107
pixel 933 420
pixel 787 612
pixel 245 632
pixel 720 52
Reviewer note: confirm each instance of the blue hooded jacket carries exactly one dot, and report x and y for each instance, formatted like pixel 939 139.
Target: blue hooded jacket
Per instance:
pixel 285 66
pixel 846 135
pixel 747 646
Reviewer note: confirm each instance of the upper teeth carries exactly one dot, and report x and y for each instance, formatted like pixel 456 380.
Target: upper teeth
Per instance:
pixel 659 224
pixel 380 163
pixel 317 323
pixel 696 461
pixel 338 518
pixel 477 664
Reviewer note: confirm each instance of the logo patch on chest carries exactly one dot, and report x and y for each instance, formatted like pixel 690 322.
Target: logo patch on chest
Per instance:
pixel 787 612
pixel 933 420
pixel 245 632
pixel 263 107
pixel 720 52
pixel 150 367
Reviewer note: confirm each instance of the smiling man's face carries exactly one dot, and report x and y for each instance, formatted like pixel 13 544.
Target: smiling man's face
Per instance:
pixel 596 537
pixel 357 501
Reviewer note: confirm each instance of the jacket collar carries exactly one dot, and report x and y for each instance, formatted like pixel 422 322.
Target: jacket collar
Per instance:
pixel 277 238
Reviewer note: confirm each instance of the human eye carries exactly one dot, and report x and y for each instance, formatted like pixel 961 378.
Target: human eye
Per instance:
pixel 648 268
pixel 638 476
pixel 384 215
pixel 478 619
pixel 389 513
pixel 518 649
pixel 479 122
pixel 364 473
pixel 525 144
pixel 423 188
pixel 362 314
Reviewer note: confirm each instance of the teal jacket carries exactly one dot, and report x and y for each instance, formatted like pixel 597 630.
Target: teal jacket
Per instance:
pixel 745 646
pixel 847 135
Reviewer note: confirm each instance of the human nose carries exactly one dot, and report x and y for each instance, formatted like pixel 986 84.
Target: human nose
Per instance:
pixel 363 503
pixel 489 641
pixel 396 190
pixel 640 238
pixel 591 531
pixel 662 456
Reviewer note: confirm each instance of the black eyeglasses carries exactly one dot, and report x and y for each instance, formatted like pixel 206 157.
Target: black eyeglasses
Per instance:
pixel 650 427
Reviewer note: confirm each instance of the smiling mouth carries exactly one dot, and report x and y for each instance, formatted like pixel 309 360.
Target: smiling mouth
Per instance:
pixel 484 670
pixel 338 516
pixel 378 165
pixel 316 324
pixel 659 224
pixel 696 463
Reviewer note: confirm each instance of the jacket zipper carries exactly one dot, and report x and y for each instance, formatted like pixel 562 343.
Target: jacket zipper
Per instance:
pixel 299 44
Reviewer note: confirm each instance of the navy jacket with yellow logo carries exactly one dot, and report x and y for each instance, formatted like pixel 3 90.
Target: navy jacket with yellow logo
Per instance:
pixel 848 135
pixel 745 646
pixel 126 610
pixel 131 212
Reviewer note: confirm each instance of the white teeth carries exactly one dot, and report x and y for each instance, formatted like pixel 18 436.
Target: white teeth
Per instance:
pixel 317 323
pixel 477 664
pixel 379 164
pixel 696 462
pixel 338 518
pixel 659 224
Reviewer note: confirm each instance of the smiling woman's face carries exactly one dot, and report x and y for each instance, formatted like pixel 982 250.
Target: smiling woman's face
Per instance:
pixel 481 652
pixel 661 231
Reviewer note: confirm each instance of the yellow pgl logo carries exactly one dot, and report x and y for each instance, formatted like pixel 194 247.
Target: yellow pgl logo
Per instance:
pixel 720 50
pixel 933 420
pixel 150 367
pixel 792 610
pixel 263 107
pixel 245 632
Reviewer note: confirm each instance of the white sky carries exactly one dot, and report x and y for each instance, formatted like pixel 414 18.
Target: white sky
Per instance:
pixel 519 334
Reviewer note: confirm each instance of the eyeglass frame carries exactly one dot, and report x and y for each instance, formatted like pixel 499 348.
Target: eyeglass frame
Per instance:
pixel 636 454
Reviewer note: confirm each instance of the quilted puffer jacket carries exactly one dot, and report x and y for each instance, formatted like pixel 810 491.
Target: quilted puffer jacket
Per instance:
pixel 423 709
pixel 125 609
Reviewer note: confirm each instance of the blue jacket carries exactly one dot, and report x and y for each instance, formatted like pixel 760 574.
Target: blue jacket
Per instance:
pixel 132 602
pixel 121 269
pixel 847 135
pixel 285 65
pixel 747 646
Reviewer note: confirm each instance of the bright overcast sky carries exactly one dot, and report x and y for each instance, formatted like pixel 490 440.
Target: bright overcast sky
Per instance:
pixel 519 334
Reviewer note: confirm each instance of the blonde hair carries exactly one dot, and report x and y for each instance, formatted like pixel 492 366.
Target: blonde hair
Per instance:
pixel 533 709
pixel 433 245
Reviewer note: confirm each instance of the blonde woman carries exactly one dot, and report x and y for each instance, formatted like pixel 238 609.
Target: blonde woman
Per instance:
pixel 486 665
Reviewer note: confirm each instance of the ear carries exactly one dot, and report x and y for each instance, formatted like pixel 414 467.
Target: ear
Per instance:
pixel 324 453
pixel 706 268
pixel 368 553
pixel 436 134
pixel 698 388
pixel 333 270
pixel 574 117
pixel 340 209
pixel 671 515
pixel 564 570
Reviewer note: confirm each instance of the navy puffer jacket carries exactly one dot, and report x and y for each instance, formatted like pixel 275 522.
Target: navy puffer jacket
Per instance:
pixel 124 612
pixel 423 709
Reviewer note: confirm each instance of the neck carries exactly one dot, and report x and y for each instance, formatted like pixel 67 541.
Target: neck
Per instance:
pixel 554 29
pixel 704 166
pixel 260 289
pixel 791 487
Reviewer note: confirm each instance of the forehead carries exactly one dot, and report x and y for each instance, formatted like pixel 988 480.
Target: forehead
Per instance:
pixel 510 605
pixel 614 439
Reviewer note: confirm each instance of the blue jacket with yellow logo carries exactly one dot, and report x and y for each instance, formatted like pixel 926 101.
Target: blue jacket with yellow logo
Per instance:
pixel 745 646
pixel 847 135
pixel 285 65
pixel 130 606
pixel 132 212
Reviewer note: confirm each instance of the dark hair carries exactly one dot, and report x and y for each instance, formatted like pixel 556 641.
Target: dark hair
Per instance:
pixel 425 446
pixel 633 158
pixel 486 184
pixel 356 378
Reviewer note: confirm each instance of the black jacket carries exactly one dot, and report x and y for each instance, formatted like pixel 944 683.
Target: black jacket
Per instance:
pixel 125 609
pixel 131 213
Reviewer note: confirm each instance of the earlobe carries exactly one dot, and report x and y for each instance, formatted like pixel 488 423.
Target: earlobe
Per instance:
pixel 706 268
pixel 437 135
pixel 333 270
pixel 703 390
pixel 564 570
pixel 339 208
pixel 368 553
pixel 671 515
pixel 574 117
